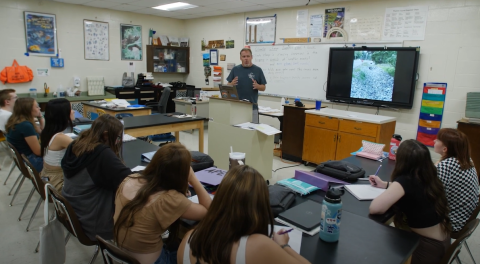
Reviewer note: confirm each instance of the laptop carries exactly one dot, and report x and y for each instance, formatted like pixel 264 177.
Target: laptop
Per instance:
pixel 229 92
pixel 306 215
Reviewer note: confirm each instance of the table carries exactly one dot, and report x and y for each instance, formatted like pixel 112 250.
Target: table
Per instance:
pixel 92 107
pixel 146 125
pixel 132 152
pixel 42 101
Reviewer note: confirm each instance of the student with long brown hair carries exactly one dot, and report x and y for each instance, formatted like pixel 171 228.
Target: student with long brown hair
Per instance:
pixel 23 133
pixel 456 171
pixel 238 226
pixel 418 195
pixel 148 204
pixel 93 171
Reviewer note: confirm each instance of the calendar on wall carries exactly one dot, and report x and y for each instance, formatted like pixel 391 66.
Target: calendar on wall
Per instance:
pixel 96 40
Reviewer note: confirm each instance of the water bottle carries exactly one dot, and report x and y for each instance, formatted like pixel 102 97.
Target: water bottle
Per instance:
pixel 282 102
pixel 194 109
pixel 394 143
pixel 331 216
pixel 297 99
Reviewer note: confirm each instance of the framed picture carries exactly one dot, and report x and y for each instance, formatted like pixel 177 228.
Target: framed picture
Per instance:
pixel 213 57
pixel 96 40
pixel 40 34
pixel 131 42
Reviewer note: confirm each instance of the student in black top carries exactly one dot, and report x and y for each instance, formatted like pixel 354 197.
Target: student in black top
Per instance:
pixel 93 171
pixel 418 196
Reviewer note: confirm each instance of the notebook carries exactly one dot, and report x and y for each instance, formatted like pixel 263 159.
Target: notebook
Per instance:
pixel 79 128
pixel 147 157
pixel 364 191
pixel 306 215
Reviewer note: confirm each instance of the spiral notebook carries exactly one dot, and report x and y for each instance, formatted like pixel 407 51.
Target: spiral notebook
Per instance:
pixel 364 192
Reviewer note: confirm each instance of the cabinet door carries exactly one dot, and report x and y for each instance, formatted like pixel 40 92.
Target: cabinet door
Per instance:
pixel 319 144
pixel 348 143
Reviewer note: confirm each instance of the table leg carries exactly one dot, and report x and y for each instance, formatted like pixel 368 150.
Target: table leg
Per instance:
pixel 200 137
pixel 177 136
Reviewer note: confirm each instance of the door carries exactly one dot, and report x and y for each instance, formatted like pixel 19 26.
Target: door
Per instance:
pixel 348 143
pixel 319 144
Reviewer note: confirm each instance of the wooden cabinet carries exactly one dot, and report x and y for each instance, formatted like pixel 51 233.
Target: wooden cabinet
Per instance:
pixel 167 59
pixel 472 130
pixel 331 138
pixel 292 131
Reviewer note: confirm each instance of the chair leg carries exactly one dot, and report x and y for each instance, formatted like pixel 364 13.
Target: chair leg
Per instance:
pixel 67 238
pixel 34 212
pixel 12 166
pixel 26 203
pixel 458 260
pixel 16 191
pixel 469 252
pixel 15 184
pixel 38 246
pixel 94 254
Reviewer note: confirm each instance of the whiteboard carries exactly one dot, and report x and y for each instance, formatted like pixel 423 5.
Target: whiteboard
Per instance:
pixel 298 70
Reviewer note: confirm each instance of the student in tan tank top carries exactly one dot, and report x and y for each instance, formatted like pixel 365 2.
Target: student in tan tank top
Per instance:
pixel 148 204
pixel 236 228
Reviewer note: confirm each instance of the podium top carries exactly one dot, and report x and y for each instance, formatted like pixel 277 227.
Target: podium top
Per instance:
pixel 236 101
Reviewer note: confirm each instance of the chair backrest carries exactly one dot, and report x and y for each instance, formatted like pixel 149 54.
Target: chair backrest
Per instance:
pixel 35 177
pixel 123 115
pixel 474 215
pixel 100 112
pixel 17 158
pixel 113 254
pixel 162 103
pixel 66 215
pixel 455 248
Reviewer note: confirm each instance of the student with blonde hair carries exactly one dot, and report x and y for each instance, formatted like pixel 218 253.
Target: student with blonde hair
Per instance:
pixel 238 226
pixel 7 101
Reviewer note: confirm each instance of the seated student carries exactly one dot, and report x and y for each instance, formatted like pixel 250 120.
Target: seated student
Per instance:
pixel 92 171
pixel 238 226
pixel 53 143
pixel 417 194
pixel 148 204
pixel 458 175
pixel 22 132
pixel 7 101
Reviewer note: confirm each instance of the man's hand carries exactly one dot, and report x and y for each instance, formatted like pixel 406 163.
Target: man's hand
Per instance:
pixel 256 86
pixel 234 82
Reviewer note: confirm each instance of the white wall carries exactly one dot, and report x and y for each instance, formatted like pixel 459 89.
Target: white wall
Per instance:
pixel 450 52
pixel 70 41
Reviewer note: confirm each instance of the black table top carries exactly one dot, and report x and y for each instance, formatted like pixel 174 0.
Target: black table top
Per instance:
pixel 116 109
pixel 158 119
pixel 133 150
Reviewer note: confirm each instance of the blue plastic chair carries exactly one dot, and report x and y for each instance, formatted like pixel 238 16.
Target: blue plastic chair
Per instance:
pixel 123 115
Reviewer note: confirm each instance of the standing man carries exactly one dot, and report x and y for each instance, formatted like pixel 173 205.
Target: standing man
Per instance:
pixel 7 101
pixel 248 79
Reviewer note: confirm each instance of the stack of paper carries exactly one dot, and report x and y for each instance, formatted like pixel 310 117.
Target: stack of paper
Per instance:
pixel 147 157
pixel 194 198
pixel 127 137
pixel 364 191
pixel 265 129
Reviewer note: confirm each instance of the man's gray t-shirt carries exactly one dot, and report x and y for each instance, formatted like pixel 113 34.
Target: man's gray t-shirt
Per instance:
pixel 246 75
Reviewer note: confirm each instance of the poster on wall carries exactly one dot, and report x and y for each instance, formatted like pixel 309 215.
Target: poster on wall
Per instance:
pixel 40 34
pixel 230 44
pixel 365 28
pixel 334 17
pixel 131 42
pixel 261 30
pixel 316 23
pixel 431 112
pixel 96 40
pixel 405 23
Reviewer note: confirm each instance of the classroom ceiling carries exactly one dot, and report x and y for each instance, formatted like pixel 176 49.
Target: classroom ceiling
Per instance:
pixel 205 8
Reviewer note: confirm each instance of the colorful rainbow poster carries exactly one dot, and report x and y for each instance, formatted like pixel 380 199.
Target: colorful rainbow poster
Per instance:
pixel 431 112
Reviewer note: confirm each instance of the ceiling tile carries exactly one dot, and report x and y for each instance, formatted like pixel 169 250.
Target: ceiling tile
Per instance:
pixel 290 3
pixel 262 2
pixel 171 14
pixel 78 2
pixel 197 10
pixel 151 3
pixel 102 4
pixel 215 13
pixel 126 7
pixel 203 2
pixel 146 11
pixel 248 8
pixel 121 1
pixel 230 4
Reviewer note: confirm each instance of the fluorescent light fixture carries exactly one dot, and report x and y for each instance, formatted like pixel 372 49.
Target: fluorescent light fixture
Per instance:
pixel 175 6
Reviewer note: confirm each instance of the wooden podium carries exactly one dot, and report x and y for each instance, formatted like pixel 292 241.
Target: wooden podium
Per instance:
pixel 258 147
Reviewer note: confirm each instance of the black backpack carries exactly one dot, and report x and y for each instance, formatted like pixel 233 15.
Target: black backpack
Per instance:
pixel 341 170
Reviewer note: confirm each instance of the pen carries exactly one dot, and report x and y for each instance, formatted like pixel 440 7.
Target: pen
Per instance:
pixel 374 183
pixel 285 232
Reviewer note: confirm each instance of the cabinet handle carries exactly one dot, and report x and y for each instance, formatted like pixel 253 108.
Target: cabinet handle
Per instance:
pixel 334 138
pixel 339 138
pixel 323 123
pixel 358 128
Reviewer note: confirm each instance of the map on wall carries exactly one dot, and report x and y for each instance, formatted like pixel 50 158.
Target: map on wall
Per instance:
pixel 96 40
pixel 261 30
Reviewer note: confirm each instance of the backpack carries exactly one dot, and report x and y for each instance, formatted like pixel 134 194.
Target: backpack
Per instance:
pixel 341 170
pixel 16 74
pixel 280 198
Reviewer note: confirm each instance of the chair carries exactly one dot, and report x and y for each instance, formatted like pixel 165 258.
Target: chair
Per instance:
pixel 122 115
pixel 454 249
pixel 456 235
pixel 162 103
pixel 100 112
pixel 4 145
pixel 113 254
pixel 17 158
pixel 66 215
pixel 38 185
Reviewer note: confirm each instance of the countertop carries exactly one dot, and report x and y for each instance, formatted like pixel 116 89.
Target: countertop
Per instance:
pixel 356 116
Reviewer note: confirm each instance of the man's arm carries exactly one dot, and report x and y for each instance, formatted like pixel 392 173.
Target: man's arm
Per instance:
pixel 260 87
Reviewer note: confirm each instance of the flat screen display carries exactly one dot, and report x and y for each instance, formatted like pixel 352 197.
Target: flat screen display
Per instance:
pixel 373 76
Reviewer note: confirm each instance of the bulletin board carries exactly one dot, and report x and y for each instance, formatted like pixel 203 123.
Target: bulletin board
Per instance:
pixel 431 112
pixel 96 40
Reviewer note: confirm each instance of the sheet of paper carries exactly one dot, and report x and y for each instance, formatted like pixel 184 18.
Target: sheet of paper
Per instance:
pixel 130 67
pixel 364 191
pixel 248 126
pixel 42 72
pixel 267 130
pixel 405 23
pixel 71 135
pixel 302 23
pixel 316 23
pixel 295 241
pixel 366 28
pixel 211 176
pixel 194 198
pixel 138 168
